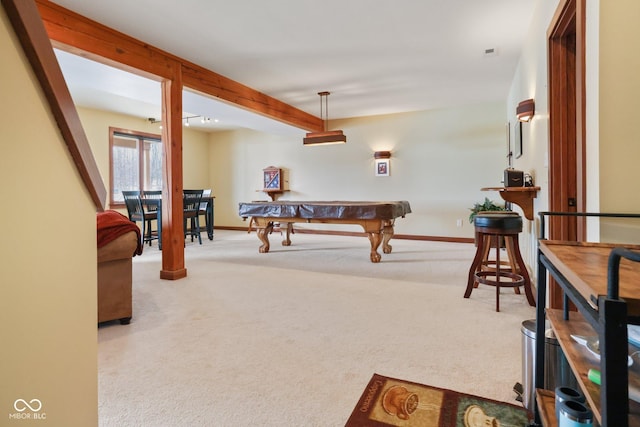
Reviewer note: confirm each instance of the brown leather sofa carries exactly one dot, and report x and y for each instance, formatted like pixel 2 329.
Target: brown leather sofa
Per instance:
pixel 118 243
pixel 115 279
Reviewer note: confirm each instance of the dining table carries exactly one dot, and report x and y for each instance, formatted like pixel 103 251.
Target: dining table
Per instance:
pixel 154 204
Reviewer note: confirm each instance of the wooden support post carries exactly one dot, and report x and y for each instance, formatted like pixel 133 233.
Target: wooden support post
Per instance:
pixel 172 209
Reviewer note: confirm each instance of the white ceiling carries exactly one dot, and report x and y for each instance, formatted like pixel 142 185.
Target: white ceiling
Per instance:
pixel 374 56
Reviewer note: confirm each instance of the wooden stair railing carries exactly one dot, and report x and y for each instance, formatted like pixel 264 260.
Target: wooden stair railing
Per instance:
pixel 36 45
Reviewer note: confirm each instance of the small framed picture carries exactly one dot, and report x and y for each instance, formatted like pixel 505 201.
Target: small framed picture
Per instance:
pixel 509 151
pixel 382 167
pixel 518 140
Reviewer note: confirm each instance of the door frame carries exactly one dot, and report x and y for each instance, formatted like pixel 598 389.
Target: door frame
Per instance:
pixel 566 38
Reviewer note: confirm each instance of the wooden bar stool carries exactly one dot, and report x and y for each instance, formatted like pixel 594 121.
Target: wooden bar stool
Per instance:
pixel 490 227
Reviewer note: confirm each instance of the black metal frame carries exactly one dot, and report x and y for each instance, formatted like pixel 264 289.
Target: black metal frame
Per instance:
pixel 580 214
pixel 607 315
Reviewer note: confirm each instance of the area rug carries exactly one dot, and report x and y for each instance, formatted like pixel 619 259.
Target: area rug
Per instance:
pixel 392 402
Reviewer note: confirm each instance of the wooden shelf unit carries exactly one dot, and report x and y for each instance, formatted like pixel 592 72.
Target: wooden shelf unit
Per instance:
pixel 521 196
pixel 546 404
pixel 581 269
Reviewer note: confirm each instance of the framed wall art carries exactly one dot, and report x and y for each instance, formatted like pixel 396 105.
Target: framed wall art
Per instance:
pixel 382 167
pixel 509 150
pixel 517 140
pixel 272 179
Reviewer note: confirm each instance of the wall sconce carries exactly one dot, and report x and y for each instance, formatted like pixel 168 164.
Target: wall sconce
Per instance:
pixel 525 110
pixel 383 162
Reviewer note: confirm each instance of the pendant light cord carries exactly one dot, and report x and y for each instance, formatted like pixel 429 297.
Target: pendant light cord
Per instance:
pixel 325 118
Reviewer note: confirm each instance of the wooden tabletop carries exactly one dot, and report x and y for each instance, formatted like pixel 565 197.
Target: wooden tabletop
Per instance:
pixel 585 265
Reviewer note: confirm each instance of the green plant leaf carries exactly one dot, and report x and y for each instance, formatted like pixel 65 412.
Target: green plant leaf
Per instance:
pixel 487 205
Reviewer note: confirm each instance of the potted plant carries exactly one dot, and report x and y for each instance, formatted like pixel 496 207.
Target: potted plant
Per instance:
pixel 487 205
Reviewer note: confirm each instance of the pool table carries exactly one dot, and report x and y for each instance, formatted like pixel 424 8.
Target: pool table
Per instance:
pixel 376 218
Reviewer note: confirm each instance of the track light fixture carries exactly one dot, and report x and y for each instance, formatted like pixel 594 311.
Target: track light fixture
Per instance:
pixel 203 120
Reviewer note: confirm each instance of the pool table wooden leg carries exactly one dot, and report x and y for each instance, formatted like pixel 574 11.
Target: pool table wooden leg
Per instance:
pixel 263 235
pixel 387 234
pixel 375 239
pixel 287 238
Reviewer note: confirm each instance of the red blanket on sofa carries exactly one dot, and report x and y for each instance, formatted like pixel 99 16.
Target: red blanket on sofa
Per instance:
pixel 111 225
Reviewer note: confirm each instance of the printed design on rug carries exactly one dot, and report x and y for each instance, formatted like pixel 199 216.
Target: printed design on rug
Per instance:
pixel 392 402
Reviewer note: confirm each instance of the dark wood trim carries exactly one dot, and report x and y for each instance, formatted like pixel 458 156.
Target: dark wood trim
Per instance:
pixel 562 121
pixel 581 116
pixel 567 112
pixel 77 34
pixel 26 22
pixel 135 133
pixel 211 84
pixel 563 20
pixel 112 204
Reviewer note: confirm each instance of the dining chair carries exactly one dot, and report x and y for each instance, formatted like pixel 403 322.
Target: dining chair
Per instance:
pixel 152 209
pixel 152 194
pixel 191 200
pixel 134 210
pixel 204 204
pixel 136 213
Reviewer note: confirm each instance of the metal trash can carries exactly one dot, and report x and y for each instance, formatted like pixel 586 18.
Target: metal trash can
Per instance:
pixel 556 367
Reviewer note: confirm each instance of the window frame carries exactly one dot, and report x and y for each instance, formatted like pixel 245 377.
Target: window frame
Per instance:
pixel 141 137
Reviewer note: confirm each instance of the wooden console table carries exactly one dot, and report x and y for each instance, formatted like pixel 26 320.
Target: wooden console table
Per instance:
pixel 521 196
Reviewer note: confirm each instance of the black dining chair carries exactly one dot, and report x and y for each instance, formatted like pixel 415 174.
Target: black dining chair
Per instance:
pixel 151 208
pixel 191 200
pixel 204 205
pixel 136 213
pixel 152 194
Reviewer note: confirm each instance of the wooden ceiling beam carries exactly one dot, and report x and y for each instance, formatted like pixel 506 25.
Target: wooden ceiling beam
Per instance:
pixel 239 95
pixel 77 34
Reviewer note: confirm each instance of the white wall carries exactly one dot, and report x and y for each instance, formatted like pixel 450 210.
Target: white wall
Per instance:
pixel 531 81
pixel 612 86
pixel 48 267
pixel 440 160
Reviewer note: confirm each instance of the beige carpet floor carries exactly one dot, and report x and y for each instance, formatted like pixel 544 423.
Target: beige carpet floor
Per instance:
pixel 291 338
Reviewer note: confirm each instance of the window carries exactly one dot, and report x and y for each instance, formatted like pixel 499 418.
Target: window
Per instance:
pixel 135 162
